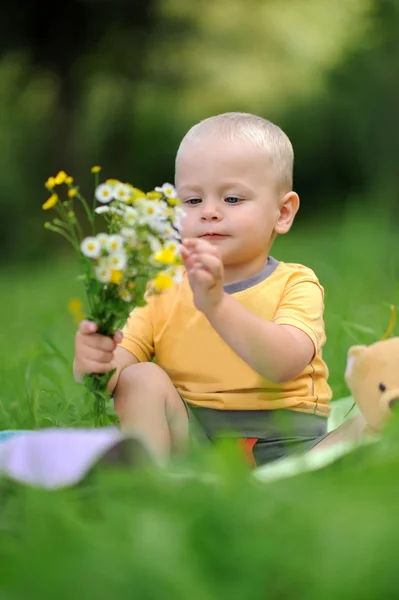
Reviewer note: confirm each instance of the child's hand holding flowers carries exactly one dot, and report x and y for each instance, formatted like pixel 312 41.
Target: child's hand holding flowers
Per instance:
pixel 138 254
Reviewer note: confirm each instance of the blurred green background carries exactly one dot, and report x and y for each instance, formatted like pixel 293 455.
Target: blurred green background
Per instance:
pixel 119 83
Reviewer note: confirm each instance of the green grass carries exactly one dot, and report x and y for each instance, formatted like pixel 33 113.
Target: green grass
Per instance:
pixel 328 534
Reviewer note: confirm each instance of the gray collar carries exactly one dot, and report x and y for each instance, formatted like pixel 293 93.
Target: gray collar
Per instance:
pixel 240 286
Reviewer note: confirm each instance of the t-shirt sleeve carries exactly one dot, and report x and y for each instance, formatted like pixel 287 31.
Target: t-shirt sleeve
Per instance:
pixel 302 306
pixel 138 334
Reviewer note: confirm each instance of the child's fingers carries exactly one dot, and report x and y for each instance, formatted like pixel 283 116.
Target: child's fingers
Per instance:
pixel 93 366
pixel 97 355
pixel 202 276
pixel 184 252
pixel 87 327
pixel 118 337
pixel 210 263
pixel 199 245
pixel 189 261
pixel 189 243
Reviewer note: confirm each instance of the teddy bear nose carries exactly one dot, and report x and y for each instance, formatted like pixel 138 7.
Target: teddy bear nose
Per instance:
pixel 394 402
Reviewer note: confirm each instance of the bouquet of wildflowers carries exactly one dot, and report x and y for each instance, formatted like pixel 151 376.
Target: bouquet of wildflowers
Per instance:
pixel 137 254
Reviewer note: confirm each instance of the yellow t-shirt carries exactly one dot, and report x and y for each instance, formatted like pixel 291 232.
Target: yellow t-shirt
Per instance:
pixel 206 371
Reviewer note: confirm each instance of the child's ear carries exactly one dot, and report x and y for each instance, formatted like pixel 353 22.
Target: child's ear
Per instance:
pixel 353 353
pixel 288 208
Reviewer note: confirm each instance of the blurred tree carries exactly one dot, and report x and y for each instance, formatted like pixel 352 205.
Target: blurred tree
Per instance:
pixel 269 57
pixel 348 136
pixel 118 82
pixel 256 55
pixel 47 52
pixel 57 36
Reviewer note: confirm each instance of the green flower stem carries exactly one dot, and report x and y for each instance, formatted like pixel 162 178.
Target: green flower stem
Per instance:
pixel 96 184
pixel 96 385
pixel 63 233
pixel 76 225
pixel 87 209
pixel 60 208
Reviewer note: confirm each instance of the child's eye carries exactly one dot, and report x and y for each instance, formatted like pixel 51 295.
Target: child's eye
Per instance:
pixel 232 200
pixel 193 201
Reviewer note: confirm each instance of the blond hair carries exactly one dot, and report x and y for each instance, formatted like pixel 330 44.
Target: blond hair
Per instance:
pixel 267 137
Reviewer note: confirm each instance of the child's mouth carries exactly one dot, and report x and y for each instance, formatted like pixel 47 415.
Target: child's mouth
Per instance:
pixel 213 235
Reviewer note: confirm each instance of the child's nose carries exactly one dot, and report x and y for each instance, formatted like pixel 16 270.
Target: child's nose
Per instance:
pixel 210 212
pixel 210 216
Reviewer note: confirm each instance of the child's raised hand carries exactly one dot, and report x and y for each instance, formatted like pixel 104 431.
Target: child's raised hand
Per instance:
pixel 205 272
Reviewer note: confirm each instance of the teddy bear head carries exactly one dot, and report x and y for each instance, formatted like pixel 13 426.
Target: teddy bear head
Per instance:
pixel 372 376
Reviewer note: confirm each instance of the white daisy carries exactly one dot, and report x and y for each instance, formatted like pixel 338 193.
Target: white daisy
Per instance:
pixel 122 192
pixel 103 239
pixel 148 211
pixel 177 219
pixel 129 234
pixel 131 272
pixel 167 231
pixel 126 296
pixel 90 247
pixel 100 210
pixel 154 243
pixel 172 246
pixel 103 272
pixel 130 216
pixel 117 261
pixel 116 211
pixel 176 273
pixel 115 243
pixel 158 225
pixel 168 190
pixel 104 193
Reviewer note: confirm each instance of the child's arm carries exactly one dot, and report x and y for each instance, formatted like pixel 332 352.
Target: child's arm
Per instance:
pixel 278 352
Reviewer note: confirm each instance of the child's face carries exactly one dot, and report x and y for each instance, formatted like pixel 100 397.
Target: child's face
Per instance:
pixel 228 196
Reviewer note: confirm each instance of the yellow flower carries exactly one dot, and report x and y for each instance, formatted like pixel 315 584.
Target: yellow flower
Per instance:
pixel 51 202
pixel 162 281
pixel 75 307
pixel 136 192
pixel 165 256
pixel 50 183
pixel 72 192
pixel 116 276
pixel 69 180
pixel 60 177
pixel 173 201
pixel 154 195
pixel 112 181
pixel 95 169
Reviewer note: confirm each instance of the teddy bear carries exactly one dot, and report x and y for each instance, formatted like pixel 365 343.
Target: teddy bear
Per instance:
pixel 372 376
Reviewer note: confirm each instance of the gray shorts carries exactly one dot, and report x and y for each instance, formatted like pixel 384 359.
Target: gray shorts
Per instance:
pixel 272 434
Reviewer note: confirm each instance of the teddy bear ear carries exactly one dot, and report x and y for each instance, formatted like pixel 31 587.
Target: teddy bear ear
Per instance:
pixel 353 353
